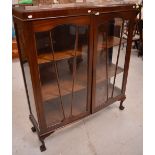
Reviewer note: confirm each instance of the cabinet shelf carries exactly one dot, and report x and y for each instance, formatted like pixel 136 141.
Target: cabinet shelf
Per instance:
pixel 61 55
pixel 50 88
pixel 111 41
pixel 58 55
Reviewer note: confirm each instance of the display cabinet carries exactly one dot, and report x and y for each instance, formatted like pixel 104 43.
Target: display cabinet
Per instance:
pixel 72 59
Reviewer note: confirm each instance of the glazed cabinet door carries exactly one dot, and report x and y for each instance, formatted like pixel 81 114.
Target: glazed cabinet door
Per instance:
pixel 63 57
pixel 111 55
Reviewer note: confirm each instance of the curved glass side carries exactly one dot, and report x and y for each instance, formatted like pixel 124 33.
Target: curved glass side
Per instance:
pixel 26 73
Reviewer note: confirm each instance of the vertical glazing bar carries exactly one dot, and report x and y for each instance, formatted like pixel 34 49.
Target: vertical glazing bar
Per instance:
pixel 107 60
pixel 117 59
pixel 74 67
pixel 57 75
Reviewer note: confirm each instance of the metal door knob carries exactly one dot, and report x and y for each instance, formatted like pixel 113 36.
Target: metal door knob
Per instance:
pixel 89 11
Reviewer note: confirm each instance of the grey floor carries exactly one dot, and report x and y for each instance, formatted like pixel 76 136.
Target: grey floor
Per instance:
pixel 108 132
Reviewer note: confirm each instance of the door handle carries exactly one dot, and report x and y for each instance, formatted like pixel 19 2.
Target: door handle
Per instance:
pixel 89 11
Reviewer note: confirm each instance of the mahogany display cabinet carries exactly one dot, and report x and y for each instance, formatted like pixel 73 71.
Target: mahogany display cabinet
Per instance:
pixel 72 59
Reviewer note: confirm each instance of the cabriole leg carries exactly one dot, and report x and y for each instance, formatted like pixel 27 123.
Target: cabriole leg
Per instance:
pixel 42 147
pixel 42 138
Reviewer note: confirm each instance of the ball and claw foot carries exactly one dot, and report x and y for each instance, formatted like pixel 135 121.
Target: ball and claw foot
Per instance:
pixel 33 129
pixel 42 148
pixel 121 107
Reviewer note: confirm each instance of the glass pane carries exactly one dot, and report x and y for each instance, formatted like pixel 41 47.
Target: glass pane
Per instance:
pixel 118 56
pixel 101 82
pixel 26 73
pixel 63 61
pixel 110 58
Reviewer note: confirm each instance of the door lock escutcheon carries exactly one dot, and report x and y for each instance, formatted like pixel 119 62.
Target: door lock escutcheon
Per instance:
pixel 97 14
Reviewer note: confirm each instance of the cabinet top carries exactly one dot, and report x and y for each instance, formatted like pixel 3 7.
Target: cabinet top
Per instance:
pixel 36 12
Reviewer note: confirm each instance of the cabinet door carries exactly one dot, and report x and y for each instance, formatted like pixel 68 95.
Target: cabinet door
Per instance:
pixel 110 42
pixel 62 47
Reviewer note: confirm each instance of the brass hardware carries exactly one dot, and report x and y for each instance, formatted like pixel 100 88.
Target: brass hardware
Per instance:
pixel 29 16
pixel 89 11
pixel 97 13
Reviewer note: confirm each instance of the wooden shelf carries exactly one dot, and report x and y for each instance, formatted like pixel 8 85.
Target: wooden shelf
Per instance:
pixel 50 91
pixel 112 41
pixel 58 55
pixel 50 87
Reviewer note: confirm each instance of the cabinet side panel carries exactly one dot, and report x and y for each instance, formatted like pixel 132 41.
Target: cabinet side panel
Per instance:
pixel 24 61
